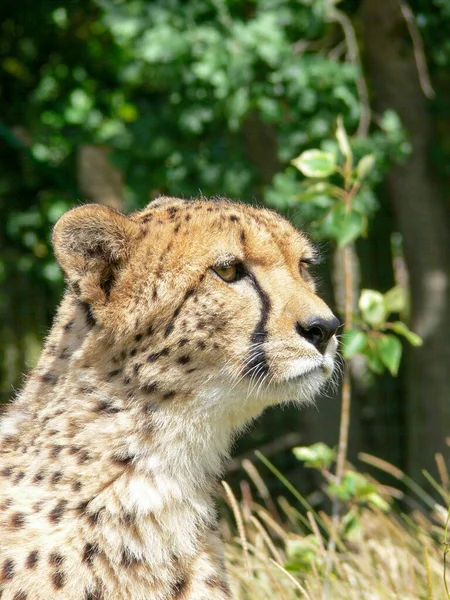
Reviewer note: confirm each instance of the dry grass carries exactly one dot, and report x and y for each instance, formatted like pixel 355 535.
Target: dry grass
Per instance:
pixel 391 556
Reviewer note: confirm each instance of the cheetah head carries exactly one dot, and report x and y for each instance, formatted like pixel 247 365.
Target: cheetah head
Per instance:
pixel 211 302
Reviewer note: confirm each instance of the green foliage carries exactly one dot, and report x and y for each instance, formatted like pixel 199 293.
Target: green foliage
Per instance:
pixel 179 92
pixel 354 491
pixel 374 337
pixel 343 218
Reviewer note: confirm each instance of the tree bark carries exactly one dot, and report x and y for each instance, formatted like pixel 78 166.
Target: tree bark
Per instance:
pixel 97 178
pixel 422 218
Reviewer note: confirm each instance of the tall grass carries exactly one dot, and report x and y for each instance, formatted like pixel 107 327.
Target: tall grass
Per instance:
pixel 280 550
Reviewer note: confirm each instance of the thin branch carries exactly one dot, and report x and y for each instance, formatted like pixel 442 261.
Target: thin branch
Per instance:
pixel 419 51
pixel 353 53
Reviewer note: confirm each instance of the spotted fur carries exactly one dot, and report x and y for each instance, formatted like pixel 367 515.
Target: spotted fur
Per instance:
pixel 110 456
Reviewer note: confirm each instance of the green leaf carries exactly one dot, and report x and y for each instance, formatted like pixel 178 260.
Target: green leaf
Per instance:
pixel 378 502
pixel 372 307
pixel 373 361
pixel 400 328
pixel 342 225
pixel 365 165
pixel 342 139
pixel 396 299
pixel 315 163
pixel 354 341
pixel 351 228
pixel 351 525
pixel 316 456
pixel 389 350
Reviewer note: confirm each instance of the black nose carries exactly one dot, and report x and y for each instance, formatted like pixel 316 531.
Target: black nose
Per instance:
pixel 318 331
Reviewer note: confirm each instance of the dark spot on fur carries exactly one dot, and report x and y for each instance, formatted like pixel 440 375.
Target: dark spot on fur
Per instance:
pixel 83 457
pixel 128 558
pixel 122 460
pixel 201 344
pixel 82 506
pixel 69 325
pixel 138 337
pixel 74 449
pixel 18 519
pixel 233 218
pixel 183 342
pixel 20 596
pixel 128 518
pixel 94 517
pixel 57 513
pixel 107 407
pixel 242 236
pixel 56 559
pixel 76 486
pixel 183 360
pixel 127 380
pixel 179 586
pixel 49 378
pixel 8 569
pixel 114 373
pixel 176 228
pixel 169 395
pixel 150 388
pixel 168 329
pixel 95 595
pixel 155 355
pixel 7 471
pixel 89 553
pixel 136 368
pixel 32 559
pixel 39 477
pixel 19 477
pixel 6 504
pixel 56 450
pixel 150 407
pixel 133 352
pixel 190 370
pixel 214 582
pixel 87 389
pixel 59 579
pixel 56 477
pixel 65 354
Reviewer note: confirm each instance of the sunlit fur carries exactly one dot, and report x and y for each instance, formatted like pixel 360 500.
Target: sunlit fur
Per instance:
pixel 111 454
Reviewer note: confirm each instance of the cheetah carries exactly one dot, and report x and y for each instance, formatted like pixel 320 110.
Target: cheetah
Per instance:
pixel 179 324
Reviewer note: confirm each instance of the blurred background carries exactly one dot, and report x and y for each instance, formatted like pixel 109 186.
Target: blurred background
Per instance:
pixel 118 101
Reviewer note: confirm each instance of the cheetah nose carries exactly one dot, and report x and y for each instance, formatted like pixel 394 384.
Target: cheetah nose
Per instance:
pixel 318 331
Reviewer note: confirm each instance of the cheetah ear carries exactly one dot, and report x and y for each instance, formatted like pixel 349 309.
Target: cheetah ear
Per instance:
pixel 91 242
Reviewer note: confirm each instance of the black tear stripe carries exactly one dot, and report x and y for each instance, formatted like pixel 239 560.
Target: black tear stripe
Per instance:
pixel 256 363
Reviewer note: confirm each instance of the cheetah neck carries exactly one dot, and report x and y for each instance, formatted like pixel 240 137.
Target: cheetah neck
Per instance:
pixel 137 459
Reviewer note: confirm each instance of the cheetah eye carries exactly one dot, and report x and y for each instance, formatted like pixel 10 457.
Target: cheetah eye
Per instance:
pixel 229 272
pixel 303 265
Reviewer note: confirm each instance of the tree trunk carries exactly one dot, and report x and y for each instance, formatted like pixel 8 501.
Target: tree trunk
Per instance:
pixel 98 179
pixel 422 218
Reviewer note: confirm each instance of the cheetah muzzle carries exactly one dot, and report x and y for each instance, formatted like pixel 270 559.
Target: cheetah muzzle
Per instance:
pixel 179 324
